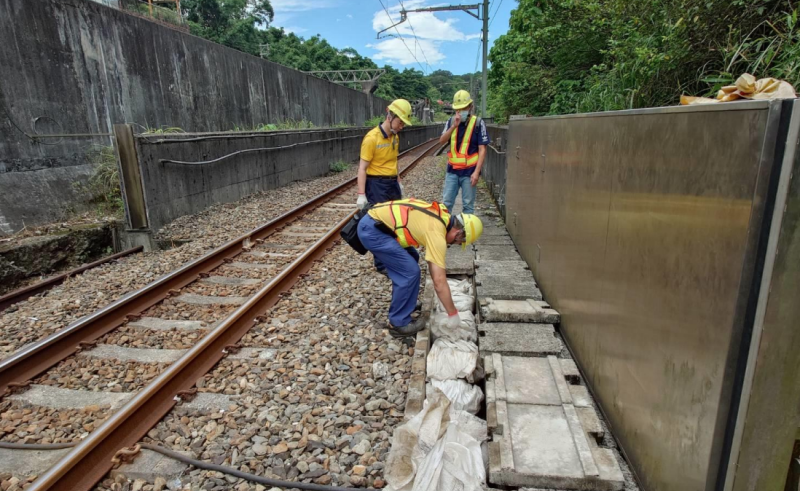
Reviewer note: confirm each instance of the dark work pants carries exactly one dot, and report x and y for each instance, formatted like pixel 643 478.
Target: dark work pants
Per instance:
pixel 380 191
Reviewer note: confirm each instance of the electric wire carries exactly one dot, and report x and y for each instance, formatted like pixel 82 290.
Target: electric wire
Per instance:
pixel 401 37
pixel 416 38
pixel 491 19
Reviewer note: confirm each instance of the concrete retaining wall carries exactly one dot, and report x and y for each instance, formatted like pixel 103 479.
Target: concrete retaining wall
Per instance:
pixel 80 67
pixel 183 174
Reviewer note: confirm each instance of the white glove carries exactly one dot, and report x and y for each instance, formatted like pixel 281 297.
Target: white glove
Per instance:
pixel 402 190
pixel 361 202
pixel 453 322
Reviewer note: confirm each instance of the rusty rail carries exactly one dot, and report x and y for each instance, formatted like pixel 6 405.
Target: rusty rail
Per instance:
pixel 90 460
pixel 37 357
pixel 11 298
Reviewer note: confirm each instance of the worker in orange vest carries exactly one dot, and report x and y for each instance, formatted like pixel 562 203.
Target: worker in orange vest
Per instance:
pixel 468 140
pixel 392 230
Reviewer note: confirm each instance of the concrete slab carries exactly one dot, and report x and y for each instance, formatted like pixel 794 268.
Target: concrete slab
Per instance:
pixel 246 265
pixel 207 402
pixel 540 438
pixel 285 246
pixel 496 252
pixel 225 280
pixel 517 268
pixel 29 462
pixel 149 465
pixel 302 234
pixel 268 255
pixel 58 398
pixel 490 227
pixel 507 287
pixel 494 240
pixel 157 324
pixel 518 339
pixel 139 355
pixel 194 299
pixel 493 310
pixel 460 262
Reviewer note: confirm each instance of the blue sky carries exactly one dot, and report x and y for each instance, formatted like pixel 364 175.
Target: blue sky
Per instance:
pixel 444 40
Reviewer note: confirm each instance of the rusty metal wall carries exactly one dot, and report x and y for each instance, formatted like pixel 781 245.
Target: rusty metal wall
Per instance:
pixel 644 229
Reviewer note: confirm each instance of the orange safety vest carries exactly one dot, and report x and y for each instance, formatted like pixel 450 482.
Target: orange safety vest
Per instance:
pixel 459 159
pixel 400 209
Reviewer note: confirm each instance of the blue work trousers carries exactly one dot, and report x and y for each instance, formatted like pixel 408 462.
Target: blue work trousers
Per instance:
pixel 454 182
pixel 379 190
pixel 402 265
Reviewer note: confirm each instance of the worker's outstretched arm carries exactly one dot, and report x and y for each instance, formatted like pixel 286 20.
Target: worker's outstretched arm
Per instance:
pixel 439 277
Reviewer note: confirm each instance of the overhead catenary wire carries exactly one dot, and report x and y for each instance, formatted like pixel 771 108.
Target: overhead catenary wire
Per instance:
pixel 491 19
pixel 401 38
pixel 416 38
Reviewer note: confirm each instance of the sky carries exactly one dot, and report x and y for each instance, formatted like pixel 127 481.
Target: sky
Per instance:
pixel 426 41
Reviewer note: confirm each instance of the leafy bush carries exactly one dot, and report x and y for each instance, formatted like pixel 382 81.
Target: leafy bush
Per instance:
pixel 564 56
pixel 103 187
pixel 339 166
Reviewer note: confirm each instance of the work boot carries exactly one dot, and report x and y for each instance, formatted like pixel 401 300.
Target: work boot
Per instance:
pixel 383 272
pixel 408 330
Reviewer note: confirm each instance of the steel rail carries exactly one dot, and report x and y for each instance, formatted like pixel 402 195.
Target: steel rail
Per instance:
pixel 90 460
pixel 21 294
pixel 33 359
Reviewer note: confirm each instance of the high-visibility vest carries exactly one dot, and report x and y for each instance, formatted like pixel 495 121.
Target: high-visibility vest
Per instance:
pixel 399 211
pixel 457 157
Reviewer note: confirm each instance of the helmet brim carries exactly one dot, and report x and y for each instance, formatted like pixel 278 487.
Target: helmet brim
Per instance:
pixel 462 106
pixel 405 120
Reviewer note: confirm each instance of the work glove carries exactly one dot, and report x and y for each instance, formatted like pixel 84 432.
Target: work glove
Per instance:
pixel 453 322
pixel 361 202
pixel 402 190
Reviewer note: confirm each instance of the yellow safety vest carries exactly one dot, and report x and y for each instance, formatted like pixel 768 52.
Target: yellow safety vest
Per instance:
pixel 400 209
pixel 459 159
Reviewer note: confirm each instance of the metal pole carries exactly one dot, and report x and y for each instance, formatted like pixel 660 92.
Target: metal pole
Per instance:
pixel 485 52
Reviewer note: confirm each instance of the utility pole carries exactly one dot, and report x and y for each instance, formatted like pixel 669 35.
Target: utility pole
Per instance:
pixel 477 14
pixel 484 92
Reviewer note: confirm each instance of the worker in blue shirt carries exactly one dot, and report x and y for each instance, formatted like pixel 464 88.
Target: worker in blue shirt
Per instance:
pixel 468 140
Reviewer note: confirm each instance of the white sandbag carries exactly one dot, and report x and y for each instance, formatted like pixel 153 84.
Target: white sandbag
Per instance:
pixel 462 396
pixel 450 360
pixel 412 441
pixel 460 286
pixel 470 424
pixel 463 302
pixel 454 464
pixel 466 331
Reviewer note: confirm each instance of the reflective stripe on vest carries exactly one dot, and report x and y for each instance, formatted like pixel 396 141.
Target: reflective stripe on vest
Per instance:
pixel 458 158
pixel 400 218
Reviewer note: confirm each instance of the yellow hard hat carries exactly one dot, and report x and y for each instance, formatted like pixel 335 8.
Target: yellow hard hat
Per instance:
pixel 402 109
pixel 461 100
pixel 473 228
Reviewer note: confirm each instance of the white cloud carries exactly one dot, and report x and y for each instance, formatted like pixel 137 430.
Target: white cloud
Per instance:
pixel 393 50
pixel 349 16
pixel 296 30
pixel 425 24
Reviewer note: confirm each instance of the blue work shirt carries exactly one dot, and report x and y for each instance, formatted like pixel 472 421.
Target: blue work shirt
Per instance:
pixel 479 137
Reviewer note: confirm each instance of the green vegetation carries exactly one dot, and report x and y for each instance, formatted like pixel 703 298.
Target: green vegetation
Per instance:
pixel 567 56
pixel 244 25
pixel 103 187
pixel 163 130
pixel 339 166
pixel 375 121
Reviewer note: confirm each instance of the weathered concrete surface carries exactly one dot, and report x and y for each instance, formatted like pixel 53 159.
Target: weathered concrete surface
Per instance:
pixel 486 252
pixel 541 435
pixel 226 280
pixel 80 67
pixel 503 268
pixel 157 324
pixel 460 262
pixel 29 462
pixel 140 355
pixel 494 310
pixel 246 265
pixel 207 402
pixel 195 299
pixel 494 240
pixel 507 287
pixel 519 339
pixel 43 255
pixel 58 398
pixel 491 228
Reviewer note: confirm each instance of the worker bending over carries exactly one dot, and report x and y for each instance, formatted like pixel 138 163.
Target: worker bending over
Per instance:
pixel 392 231
pixel 378 178
pixel 468 140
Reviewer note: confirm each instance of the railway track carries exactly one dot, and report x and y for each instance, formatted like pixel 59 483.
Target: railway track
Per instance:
pixel 195 316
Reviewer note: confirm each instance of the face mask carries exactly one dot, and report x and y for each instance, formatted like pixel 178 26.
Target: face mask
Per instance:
pixel 464 115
